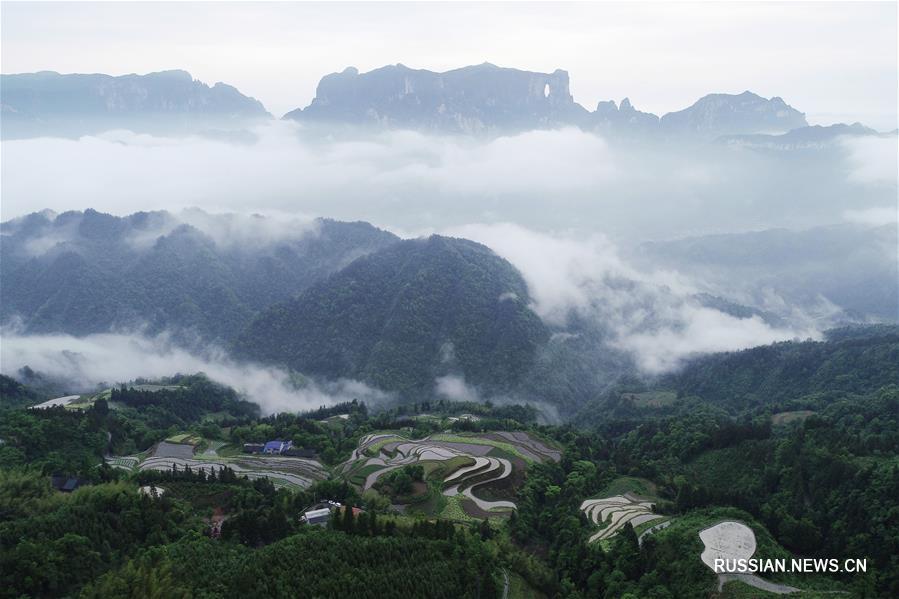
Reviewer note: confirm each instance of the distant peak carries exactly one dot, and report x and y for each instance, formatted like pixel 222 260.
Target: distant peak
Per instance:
pixel 172 74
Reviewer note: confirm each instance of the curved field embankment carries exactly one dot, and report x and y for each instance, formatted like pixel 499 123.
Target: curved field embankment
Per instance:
pixel 613 513
pixel 505 469
pixel 282 471
pixel 486 459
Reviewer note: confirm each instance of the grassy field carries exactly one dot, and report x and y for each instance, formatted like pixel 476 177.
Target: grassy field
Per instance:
pixel 229 451
pixel 185 439
pixel 453 510
pixel 358 477
pixel 628 484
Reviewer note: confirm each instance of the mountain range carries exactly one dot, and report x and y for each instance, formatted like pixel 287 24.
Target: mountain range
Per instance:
pixel 88 272
pixel 487 99
pixel 348 300
pixel 49 103
pixel 479 100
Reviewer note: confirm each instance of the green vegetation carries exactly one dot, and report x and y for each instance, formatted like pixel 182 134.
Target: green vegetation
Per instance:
pixel 181 281
pixel 14 394
pixel 399 317
pixel 821 482
pixel 453 510
pixel 629 484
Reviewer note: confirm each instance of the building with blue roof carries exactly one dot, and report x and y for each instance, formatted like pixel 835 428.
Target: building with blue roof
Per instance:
pixel 277 446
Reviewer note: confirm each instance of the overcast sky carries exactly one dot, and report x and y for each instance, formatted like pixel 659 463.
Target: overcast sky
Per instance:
pixel 834 61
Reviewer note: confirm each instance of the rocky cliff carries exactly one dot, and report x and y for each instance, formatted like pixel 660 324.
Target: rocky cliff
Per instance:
pixel 479 99
pixel 49 103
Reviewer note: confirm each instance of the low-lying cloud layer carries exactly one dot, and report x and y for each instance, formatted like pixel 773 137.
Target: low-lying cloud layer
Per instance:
pixel 654 316
pixel 548 180
pixel 113 358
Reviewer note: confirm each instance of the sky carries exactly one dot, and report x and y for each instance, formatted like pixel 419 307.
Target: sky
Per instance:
pixel 834 61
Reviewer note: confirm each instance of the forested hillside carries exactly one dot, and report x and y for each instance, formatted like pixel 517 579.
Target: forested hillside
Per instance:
pixel 401 317
pixel 812 472
pixel 781 377
pixel 778 373
pixel 89 272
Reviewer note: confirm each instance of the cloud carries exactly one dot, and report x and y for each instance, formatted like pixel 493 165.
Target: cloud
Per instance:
pixel 546 180
pixel 654 316
pixel 873 160
pixel 237 230
pixel 454 388
pixel 873 216
pixel 229 231
pixel 111 358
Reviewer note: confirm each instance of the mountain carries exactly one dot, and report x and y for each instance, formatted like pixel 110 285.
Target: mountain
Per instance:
pixel 624 119
pixel 815 137
pixel 490 100
pixel 727 114
pixel 479 100
pixel 861 362
pixel 70 105
pixel 843 272
pixel 88 272
pixel 781 377
pixel 482 99
pixel 401 317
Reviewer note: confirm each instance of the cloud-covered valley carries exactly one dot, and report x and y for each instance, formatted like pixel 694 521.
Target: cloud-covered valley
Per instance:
pixel 547 180
pixel 107 359
pixel 654 316
pixel 562 206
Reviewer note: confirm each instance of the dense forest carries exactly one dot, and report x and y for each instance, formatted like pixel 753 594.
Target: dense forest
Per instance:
pixel 401 317
pixel 90 272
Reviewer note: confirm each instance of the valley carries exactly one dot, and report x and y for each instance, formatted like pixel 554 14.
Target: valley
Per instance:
pixel 634 493
pixel 576 300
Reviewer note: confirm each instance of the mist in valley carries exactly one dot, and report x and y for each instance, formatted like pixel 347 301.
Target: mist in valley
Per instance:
pixel 571 210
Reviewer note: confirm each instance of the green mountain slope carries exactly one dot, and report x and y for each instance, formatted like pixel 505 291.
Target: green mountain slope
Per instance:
pixel 88 272
pixel 400 317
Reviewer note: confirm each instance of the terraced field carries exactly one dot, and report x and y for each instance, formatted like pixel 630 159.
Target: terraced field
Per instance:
pixel 612 513
pixel 467 461
pixel 282 471
pixel 59 401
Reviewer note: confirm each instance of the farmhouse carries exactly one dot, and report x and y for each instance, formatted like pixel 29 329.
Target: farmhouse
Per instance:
pixel 65 483
pixel 317 517
pixel 277 446
pixel 253 447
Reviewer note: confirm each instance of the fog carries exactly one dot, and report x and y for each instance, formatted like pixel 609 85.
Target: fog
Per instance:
pixel 561 206
pixel 112 358
pixel 454 387
pixel 547 180
pixel 654 316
